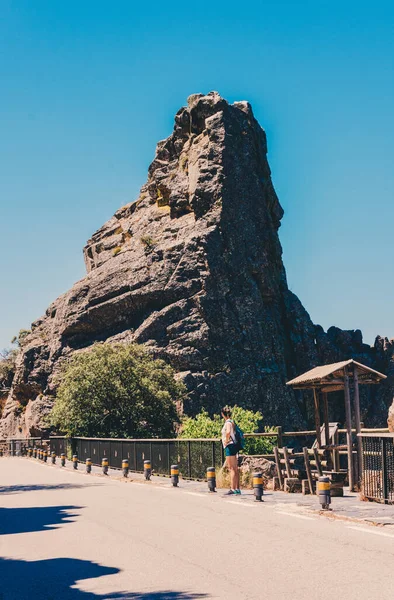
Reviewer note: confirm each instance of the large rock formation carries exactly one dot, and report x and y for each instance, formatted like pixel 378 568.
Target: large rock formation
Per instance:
pixel 193 269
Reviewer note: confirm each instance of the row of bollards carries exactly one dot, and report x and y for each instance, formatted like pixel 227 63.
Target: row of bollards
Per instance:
pixel 211 471
pixel 323 483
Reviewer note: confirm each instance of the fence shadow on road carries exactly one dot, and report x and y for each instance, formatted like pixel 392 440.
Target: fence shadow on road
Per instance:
pixel 17 489
pixel 37 518
pixel 54 579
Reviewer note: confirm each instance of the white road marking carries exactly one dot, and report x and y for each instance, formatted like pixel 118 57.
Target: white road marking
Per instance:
pixel 197 494
pixel 289 514
pixel 373 530
pixel 240 503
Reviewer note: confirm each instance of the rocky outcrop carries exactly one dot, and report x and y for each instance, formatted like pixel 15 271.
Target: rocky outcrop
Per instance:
pixel 193 269
pixel 390 418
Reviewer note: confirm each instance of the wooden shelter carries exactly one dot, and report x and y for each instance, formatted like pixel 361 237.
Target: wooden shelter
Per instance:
pixel 332 378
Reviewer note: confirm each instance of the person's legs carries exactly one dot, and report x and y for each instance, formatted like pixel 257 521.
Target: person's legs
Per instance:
pixel 232 465
pixel 236 472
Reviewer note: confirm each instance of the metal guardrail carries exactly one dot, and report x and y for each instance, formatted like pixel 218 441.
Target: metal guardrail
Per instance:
pixel 18 446
pixel 192 456
pixel 378 466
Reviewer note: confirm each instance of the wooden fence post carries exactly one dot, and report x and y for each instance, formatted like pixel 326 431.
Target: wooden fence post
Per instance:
pixel 278 467
pixel 308 470
pixel 280 437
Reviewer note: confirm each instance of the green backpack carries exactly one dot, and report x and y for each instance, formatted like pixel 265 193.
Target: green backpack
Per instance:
pixel 239 437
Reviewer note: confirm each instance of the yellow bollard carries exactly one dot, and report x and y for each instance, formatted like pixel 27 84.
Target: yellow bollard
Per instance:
pixel 147 469
pixel 104 465
pixel 258 486
pixel 211 479
pixel 125 467
pixel 174 475
pixel 324 492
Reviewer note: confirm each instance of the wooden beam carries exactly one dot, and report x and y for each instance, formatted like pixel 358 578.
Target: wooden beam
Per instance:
pixel 356 401
pixel 317 416
pixel 278 467
pixel 287 462
pixel 349 442
pixel 318 462
pixel 308 470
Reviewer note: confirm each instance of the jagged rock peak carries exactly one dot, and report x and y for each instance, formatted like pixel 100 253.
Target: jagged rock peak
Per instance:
pixel 186 175
pixel 193 269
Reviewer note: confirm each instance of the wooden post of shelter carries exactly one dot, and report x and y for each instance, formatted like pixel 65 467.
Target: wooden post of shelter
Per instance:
pixel 357 415
pixel 349 442
pixel 335 453
pixel 329 455
pixel 326 421
pixel 317 416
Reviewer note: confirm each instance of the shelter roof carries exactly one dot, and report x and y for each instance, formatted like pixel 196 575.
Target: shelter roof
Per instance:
pixel 331 377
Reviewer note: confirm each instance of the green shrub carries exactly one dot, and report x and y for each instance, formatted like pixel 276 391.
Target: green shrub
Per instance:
pixel 184 162
pixel 116 391
pixel 204 426
pixel 148 242
pixel 116 250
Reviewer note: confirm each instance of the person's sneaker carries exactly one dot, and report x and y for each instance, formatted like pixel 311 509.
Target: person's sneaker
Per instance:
pixel 230 493
pixel 237 492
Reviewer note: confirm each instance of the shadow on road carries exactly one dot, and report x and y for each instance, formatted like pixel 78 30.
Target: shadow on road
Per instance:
pixel 53 579
pixel 17 489
pixel 38 518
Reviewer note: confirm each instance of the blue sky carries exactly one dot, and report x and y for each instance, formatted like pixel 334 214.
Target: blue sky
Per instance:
pixel 88 88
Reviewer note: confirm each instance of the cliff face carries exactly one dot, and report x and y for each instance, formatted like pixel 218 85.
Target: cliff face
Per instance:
pixel 193 269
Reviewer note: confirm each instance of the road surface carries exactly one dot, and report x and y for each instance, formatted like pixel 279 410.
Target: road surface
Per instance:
pixel 66 535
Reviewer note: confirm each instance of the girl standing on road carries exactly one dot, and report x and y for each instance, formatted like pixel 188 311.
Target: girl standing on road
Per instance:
pixel 230 450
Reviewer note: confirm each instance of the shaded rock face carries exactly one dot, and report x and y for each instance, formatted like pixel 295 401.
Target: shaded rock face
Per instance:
pixel 193 269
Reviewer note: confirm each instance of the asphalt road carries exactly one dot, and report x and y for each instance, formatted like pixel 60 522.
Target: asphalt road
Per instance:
pixel 80 537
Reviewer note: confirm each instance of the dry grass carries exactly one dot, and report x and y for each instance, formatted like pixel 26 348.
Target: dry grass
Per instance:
pixel 3 400
pixel 223 478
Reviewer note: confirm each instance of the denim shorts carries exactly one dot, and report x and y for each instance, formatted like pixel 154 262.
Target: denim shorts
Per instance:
pixel 231 450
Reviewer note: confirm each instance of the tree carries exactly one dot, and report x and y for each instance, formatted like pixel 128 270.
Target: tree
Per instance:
pixel 7 368
pixel 19 339
pixel 116 391
pixel 204 426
